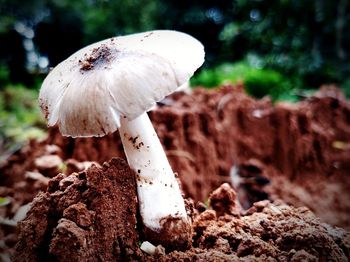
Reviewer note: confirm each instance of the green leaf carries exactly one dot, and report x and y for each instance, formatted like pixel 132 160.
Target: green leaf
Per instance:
pixel 4 201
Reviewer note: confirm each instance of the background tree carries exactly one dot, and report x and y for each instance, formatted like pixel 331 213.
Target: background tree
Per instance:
pixel 301 39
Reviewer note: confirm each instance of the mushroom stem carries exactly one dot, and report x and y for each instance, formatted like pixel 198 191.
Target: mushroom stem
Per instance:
pixel 161 204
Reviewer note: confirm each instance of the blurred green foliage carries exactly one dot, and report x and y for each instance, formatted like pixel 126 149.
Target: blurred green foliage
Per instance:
pixel 20 118
pixel 300 39
pixel 346 87
pixel 4 201
pixel 266 82
pixel 4 75
pixel 257 81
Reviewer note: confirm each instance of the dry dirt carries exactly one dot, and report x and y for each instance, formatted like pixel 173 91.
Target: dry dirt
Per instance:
pixel 90 216
pixel 298 153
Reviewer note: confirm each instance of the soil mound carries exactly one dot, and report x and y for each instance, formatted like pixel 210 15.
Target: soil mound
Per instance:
pixel 79 219
pixel 83 217
pixel 266 232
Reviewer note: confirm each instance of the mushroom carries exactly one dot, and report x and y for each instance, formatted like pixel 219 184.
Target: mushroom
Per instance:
pixel 111 85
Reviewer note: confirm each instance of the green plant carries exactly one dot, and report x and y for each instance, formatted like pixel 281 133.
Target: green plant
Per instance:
pixel 4 74
pixel 257 81
pixel 346 87
pixel 20 118
pixel 4 201
pixel 207 78
pixel 262 82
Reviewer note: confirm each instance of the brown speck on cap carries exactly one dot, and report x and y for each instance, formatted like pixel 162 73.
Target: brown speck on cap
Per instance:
pixel 134 139
pixel 46 111
pixel 101 55
pixel 148 35
pixel 101 126
pixel 44 107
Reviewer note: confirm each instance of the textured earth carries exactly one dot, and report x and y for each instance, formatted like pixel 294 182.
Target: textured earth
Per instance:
pixel 294 154
pixel 91 216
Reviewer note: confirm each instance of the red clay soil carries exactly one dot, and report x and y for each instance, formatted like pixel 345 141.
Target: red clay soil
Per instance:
pixel 90 216
pixel 83 217
pixel 299 153
pixel 266 232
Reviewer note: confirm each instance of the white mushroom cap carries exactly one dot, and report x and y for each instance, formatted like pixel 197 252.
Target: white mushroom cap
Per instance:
pixel 122 76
